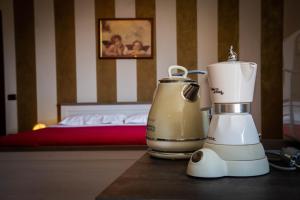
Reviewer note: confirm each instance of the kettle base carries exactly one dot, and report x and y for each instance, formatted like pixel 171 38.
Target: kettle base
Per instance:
pixel 170 155
pixel 182 145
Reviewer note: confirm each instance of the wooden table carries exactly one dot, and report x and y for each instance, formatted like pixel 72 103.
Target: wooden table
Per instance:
pixel 152 178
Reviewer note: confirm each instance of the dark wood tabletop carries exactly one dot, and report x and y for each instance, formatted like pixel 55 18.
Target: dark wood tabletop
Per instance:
pixel 152 178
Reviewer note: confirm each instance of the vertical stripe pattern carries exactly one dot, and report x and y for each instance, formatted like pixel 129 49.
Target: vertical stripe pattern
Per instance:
pixel 65 51
pixel 51 52
pixel 187 34
pixel 146 68
pixel 126 68
pixel 25 64
pixel 9 54
pixel 166 44
pixel 45 61
pixel 85 51
pixel 271 68
pixel 106 68
pixel 249 34
pixel 2 91
pixel 126 80
pixel 207 32
pixel 228 28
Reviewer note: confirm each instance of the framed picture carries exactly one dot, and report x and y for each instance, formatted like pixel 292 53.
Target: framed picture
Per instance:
pixel 125 38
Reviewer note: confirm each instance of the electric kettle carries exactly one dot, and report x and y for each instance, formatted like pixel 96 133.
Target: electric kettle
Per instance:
pixel 176 125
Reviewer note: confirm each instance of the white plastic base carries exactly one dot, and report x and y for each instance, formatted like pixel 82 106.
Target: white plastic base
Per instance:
pixel 207 163
pixel 232 129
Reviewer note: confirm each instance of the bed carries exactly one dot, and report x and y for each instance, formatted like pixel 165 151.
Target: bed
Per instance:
pixel 291 120
pixel 291 91
pixel 89 126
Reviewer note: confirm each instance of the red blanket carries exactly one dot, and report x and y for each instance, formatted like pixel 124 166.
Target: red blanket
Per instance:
pixel 103 135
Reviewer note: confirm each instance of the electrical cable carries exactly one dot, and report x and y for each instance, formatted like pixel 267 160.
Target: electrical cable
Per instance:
pixel 282 168
pixel 286 159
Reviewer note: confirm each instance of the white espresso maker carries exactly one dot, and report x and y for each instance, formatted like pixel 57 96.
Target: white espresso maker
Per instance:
pixel 232 147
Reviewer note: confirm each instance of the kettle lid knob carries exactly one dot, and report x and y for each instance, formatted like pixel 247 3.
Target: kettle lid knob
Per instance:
pixel 232 55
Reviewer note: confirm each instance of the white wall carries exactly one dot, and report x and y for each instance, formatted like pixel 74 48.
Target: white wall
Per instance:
pixel 126 68
pixel 45 61
pixel 85 38
pixel 166 41
pixel 207 32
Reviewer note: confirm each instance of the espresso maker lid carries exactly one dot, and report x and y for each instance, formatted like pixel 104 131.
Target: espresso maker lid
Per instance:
pixel 231 60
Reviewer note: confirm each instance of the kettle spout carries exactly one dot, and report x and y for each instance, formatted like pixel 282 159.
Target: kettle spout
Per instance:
pixel 190 92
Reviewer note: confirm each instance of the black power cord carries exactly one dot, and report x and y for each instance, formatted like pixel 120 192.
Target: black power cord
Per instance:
pixel 288 158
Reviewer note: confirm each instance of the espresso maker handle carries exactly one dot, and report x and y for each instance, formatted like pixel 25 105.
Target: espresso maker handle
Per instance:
pixel 205 99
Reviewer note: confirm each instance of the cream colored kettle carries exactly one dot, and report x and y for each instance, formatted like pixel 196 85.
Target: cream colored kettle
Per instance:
pixel 176 126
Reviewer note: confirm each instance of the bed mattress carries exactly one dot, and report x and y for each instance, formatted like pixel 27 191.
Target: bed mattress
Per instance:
pixel 77 136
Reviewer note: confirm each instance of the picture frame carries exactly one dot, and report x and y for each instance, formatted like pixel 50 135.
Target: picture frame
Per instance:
pixel 125 38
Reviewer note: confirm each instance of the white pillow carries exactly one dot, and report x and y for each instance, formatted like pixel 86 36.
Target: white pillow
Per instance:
pixel 93 119
pixel 113 119
pixel 137 119
pixel 75 120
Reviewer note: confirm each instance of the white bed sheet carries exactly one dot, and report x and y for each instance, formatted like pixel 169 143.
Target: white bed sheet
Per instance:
pixel 78 126
pixel 291 111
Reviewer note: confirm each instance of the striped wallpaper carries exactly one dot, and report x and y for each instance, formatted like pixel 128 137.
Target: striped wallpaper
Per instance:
pixel 51 57
pixel 25 63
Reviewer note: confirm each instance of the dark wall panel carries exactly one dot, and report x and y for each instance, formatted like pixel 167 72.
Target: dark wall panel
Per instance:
pixel 2 84
pixel 186 19
pixel 25 64
pixel 65 51
pixel 228 27
pixel 146 68
pixel 271 68
pixel 106 68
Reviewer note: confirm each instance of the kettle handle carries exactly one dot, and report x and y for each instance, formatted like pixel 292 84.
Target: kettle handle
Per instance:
pixel 180 68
